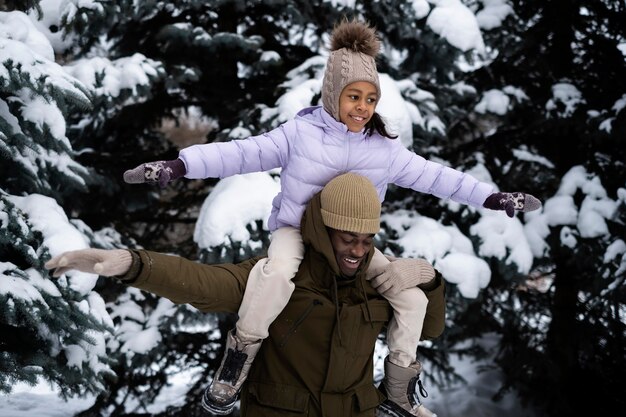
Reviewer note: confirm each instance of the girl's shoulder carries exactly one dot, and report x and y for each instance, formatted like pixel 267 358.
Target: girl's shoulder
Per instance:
pixel 311 116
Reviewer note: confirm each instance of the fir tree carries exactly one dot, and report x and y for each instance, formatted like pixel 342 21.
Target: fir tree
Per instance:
pixel 224 70
pixel 53 330
pixel 558 63
pixel 206 58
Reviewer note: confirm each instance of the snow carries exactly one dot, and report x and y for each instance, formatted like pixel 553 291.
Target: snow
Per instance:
pixel 472 398
pixel 614 250
pixel 234 203
pixel 493 13
pixel 619 104
pixel 524 154
pixel 17 26
pixel 40 400
pixel 398 116
pixel 114 76
pixel 18 287
pixel 503 238
pixel 494 101
pixel 242 200
pixel 499 101
pixel 565 99
pixel 51 18
pixel 421 8
pixel 453 21
pixel 143 341
pixel 49 218
pixel 471 274
pixel 588 221
pixel 43 114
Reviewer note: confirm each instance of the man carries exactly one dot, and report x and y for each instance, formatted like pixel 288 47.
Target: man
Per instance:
pixel 318 358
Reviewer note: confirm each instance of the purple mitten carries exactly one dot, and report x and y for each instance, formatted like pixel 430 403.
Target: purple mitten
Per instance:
pixel 510 202
pixel 160 172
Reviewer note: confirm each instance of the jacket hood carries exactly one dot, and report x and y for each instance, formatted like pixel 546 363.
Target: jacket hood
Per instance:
pixel 322 262
pixel 320 118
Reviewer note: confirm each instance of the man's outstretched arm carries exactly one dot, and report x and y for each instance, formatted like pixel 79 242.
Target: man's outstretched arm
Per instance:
pixel 210 288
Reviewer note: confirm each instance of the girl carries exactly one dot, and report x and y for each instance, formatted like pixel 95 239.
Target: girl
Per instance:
pixel 344 135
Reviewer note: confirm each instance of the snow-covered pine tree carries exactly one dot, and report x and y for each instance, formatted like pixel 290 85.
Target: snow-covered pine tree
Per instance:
pixel 235 64
pixel 213 66
pixel 555 100
pixel 52 330
pixel 219 68
pixel 206 32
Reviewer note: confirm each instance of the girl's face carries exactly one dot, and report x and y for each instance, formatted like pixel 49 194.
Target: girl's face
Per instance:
pixel 357 103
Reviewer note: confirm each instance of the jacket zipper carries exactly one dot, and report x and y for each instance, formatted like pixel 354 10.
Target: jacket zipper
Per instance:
pixel 298 322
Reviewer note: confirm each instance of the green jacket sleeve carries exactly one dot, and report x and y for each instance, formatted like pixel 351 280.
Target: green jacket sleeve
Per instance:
pixel 209 288
pixel 435 320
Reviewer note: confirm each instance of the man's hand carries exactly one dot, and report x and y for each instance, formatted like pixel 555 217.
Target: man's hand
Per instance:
pixel 160 172
pixel 510 202
pixel 103 262
pixel 401 274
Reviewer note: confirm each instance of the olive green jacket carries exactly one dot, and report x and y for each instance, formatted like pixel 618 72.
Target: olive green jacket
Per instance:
pixel 318 358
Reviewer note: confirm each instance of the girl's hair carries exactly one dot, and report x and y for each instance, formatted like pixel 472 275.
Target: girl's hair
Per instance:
pixel 377 124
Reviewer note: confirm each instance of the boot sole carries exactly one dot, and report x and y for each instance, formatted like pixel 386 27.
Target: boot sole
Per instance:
pixel 391 409
pixel 219 409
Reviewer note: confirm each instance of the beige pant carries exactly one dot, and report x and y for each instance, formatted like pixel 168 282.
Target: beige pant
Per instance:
pixel 270 287
pixel 405 327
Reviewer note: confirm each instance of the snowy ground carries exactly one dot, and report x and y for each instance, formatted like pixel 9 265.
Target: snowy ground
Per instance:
pixel 471 400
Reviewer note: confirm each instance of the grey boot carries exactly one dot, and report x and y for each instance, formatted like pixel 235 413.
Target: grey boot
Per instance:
pixel 400 385
pixel 220 397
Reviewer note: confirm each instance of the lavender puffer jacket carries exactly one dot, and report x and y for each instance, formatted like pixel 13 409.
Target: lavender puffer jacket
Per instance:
pixel 312 149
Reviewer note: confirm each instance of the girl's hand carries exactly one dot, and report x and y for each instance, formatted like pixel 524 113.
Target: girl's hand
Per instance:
pixel 160 172
pixel 510 202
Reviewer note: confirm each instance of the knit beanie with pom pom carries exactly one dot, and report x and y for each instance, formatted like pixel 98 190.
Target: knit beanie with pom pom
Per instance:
pixel 354 46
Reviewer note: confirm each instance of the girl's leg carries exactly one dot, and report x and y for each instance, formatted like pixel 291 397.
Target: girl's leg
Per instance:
pixel 402 369
pixel 269 284
pixel 405 328
pixel 377 265
pixel 267 292
pixel 409 310
pixel 402 383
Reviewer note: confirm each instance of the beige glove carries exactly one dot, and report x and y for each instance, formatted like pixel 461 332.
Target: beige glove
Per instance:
pixel 402 274
pixel 96 261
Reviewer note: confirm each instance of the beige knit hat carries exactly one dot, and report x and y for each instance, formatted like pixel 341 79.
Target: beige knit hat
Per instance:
pixel 350 203
pixel 354 46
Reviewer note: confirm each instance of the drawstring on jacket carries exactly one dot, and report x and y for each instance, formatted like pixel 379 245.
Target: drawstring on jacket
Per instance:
pixel 335 297
pixel 367 304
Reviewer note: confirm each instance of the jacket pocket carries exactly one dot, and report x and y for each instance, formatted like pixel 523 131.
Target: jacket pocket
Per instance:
pixel 276 399
pixel 379 311
pixel 367 397
pixel 374 319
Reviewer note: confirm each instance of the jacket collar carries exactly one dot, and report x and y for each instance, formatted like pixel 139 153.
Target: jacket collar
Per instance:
pixel 317 116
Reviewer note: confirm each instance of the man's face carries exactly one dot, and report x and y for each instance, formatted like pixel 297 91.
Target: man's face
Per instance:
pixel 350 249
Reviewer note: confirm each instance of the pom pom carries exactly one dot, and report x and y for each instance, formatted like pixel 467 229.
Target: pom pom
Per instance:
pixel 356 36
